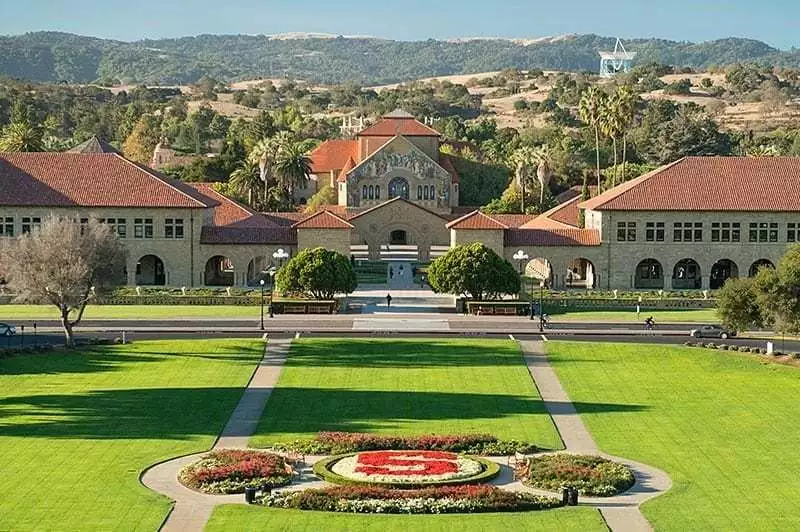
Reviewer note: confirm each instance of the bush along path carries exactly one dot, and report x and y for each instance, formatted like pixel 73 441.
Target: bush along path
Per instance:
pixel 193 509
pixel 620 512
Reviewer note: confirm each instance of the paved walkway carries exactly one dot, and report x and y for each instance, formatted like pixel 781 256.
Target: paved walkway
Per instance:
pixel 193 509
pixel 621 512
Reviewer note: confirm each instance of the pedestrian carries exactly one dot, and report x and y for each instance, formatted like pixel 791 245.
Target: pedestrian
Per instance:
pixel 388 300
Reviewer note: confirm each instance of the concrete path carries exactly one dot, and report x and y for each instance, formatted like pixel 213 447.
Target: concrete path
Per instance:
pixel 621 512
pixel 193 509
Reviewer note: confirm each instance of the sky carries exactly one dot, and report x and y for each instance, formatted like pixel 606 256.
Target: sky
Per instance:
pixel 776 22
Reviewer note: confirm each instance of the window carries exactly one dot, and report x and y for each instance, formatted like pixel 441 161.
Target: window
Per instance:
pixel 433 192
pixel 31 223
pixel 626 231
pixel 725 231
pixel 173 228
pixel 121 228
pixel 763 232
pixel 377 192
pixel 687 232
pixel 419 192
pixel 364 192
pixel 142 228
pixel 7 226
pixel 654 232
pixel 698 231
pixel 426 192
pixel 371 192
pixel 791 232
pixel 773 232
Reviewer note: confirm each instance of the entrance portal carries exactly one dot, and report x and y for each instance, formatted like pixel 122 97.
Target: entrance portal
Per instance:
pixel 398 238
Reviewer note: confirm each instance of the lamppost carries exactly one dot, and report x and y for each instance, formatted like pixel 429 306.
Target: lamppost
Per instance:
pixel 520 256
pixel 279 255
pixel 261 282
pixel 541 306
pixel 271 273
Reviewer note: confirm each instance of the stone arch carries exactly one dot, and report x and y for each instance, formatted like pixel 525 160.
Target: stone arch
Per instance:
pixel 398 237
pixel 257 270
pixel 581 273
pixel 540 269
pixel 150 270
pixel 398 187
pixel 721 271
pixel 757 265
pixel 649 274
pixel 219 271
pixel 686 275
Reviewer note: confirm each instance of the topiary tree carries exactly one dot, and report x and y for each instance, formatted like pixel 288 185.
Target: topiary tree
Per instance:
pixel 475 271
pixel 319 272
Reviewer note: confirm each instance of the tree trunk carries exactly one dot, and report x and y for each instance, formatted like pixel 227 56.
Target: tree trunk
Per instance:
pixel 69 336
pixel 522 192
pixel 615 163
pixel 597 153
pixel 624 156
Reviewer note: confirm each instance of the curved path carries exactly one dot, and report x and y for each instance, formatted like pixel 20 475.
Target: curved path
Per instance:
pixel 193 509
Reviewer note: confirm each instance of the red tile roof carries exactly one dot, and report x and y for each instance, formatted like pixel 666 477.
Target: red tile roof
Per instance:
pixel 348 165
pixel 512 220
pixel 710 184
pixel 230 212
pixel 390 127
pixel 478 221
pixel 332 155
pixel 323 220
pixel 447 163
pixel 397 198
pixel 89 180
pixel 248 235
pixel 552 237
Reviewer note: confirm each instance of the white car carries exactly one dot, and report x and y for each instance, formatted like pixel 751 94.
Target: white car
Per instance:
pixel 7 330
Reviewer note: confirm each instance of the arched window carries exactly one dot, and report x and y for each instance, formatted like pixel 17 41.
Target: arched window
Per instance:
pixel 377 192
pixel 433 192
pixel 427 192
pixel 419 192
pixel 364 192
pixel 371 192
pixel 649 274
pixel 398 187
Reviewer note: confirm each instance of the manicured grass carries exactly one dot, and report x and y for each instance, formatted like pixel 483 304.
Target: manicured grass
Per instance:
pixel 629 316
pixel 98 312
pixel 406 387
pixel 235 518
pixel 723 425
pixel 77 429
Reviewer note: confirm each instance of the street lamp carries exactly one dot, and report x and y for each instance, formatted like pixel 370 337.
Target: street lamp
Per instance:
pixel 520 256
pixel 261 282
pixel 279 255
pixel 541 306
pixel 271 273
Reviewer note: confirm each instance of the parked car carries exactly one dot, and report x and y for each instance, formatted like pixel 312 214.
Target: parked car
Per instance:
pixel 7 330
pixel 712 331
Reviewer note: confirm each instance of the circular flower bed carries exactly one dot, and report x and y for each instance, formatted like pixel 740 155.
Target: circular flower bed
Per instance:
pixel 231 471
pixel 591 475
pixel 406 468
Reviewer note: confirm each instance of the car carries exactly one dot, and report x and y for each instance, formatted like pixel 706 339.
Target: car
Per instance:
pixel 7 330
pixel 712 331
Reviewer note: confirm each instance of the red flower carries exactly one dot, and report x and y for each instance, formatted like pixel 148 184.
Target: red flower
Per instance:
pixel 407 463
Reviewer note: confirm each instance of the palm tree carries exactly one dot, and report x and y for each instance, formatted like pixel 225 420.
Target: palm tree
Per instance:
pixel 763 150
pixel 21 136
pixel 591 105
pixel 626 101
pixel 292 166
pixel 246 179
pixel 543 172
pixel 522 160
pixel 263 155
pixel 612 126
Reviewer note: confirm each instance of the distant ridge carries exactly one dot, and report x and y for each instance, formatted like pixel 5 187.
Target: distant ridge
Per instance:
pixel 328 58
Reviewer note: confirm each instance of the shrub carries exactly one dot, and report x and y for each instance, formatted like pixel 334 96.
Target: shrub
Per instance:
pixel 734 348
pixel 445 499
pixel 711 345
pixel 744 348
pixel 689 344
pixel 591 475
pixel 231 471
pixel 351 442
pixel 723 347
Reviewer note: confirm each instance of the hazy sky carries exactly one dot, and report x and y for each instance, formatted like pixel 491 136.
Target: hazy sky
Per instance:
pixel 776 22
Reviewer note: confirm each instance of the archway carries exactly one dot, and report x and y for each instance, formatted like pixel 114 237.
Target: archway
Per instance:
pixel 580 274
pixel 257 269
pixel 219 271
pixel 398 187
pixel 150 271
pixel 398 237
pixel 686 275
pixel 757 265
pixel 722 270
pixel 649 274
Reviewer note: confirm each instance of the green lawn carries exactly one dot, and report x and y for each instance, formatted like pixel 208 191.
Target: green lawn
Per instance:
pixel 77 429
pixel 406 387
pixel 623 316
pixel 98 312
pixel 236 518
pixel 724 426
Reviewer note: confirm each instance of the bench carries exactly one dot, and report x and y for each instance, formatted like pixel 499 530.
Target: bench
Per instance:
pixel 294 309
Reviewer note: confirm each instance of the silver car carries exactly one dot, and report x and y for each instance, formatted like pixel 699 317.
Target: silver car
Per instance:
pixel 7 330
pixel 712 331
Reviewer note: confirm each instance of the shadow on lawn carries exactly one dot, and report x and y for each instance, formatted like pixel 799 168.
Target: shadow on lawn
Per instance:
pixel 309 410
pixel 403 354
pixel 149 413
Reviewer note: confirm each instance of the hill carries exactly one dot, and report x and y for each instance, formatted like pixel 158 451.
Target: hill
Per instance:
pixel 54 57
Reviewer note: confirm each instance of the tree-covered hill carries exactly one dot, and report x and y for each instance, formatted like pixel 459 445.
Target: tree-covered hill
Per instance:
pixel 52 56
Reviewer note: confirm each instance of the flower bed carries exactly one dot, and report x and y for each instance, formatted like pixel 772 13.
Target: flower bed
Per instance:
pixel 231 471
pixel 436 500
pixel 351 442
pixel 405 468
pixel 591 475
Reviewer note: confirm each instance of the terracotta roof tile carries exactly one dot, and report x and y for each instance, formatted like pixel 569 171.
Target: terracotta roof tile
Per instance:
pixel 391 127
pixel 476 220
pixel 248 235
pixel 230 212
pixel 89 180
pixel 552 237
pixel 447 163
pixel 332 155
pixel 512 220
pixel 323 220
pixel 388 202
pixel 349 165
pixel 710 184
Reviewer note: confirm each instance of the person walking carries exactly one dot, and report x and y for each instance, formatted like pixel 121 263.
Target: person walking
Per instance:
pixel 388 300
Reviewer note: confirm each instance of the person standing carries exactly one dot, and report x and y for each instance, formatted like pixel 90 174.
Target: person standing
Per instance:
pixel 388 300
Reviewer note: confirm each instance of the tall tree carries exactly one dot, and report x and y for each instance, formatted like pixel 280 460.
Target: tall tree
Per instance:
pixel 544 173
pixel 63 263
pixel 21 135
pixel 263 154
pixel 611 124
pixel 523 160
pixel 627 102
pixel 292 165
pixel 245 180
pixel 590 108
pixel 141 142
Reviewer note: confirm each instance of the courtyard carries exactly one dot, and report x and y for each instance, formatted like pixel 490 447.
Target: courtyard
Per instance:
pixel 78 428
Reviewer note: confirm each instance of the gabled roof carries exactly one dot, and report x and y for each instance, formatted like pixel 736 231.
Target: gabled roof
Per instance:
pixel 399 123
pixel 332 155
pixel 323 220
pixel 476 220
pixel 746 184
pixel 89 180
pixel 94 145
pixel 391 201
pixel 561 216
pixel 230 212
pixel 349 165
pixel 248 235
pixel 447 163
pixel 512 220
pixel 552 237
pixel 396 140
